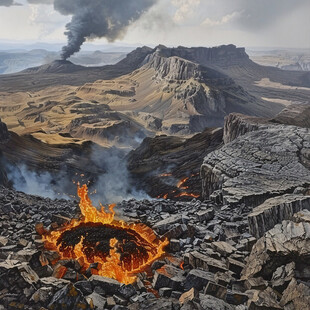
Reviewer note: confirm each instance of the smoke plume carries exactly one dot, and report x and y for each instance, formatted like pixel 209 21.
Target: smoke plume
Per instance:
pixel 97 19
pixel 8 3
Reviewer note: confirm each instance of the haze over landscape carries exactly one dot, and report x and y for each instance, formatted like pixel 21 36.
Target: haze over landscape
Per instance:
pixel 189 120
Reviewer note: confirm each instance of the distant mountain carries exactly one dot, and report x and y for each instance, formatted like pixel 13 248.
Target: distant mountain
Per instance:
pixel 57 66
pixel 176 91
pixel 13 61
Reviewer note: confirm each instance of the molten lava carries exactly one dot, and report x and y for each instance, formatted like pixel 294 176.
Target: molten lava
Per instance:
pixel 121 250
pixel 182 187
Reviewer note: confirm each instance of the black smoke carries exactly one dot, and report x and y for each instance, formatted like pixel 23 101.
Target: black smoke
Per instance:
pixel 98 18
pixel 8 3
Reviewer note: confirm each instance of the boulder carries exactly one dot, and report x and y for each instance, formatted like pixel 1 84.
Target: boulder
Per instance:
pixel 109 286
pixel 198 279
pixel 285 243
pixel 274 210
pixel 169 276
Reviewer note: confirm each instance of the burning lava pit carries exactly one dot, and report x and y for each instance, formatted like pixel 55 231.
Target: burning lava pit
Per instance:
pixel 122 250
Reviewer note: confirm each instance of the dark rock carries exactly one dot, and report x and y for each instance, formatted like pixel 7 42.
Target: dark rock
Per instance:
pixel 169 276
pixel 198 279
pixel 282 277
pixel 110 286
pixel 216 290
pixel 127 291
pixel 236 298
pixel 84 286
pixel 68 297
pixel 198 260
pixel 258 165
pixel 224 248
pixel 206 215
pixel 209 302
pixel 165 292
pixel 275 249
pixel 274 210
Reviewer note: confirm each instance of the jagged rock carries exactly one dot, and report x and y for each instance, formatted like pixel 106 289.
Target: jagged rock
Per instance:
pixel 216 290
pixel 255 284
pixel 168 276
pixel 224 248
pixel 236 298
pixel 165 291
pixel 42 295
pixel 198 279
pixel 237 125
pixel 258 165
pixel 274 210
pixel 208 302
pixel 110 286
pixel 206 215
pixel 296 296
pixel 263 300
pixel 283 276
pixel 165 224
pixel 198 260
pixel 127 291
pixel 69 297
pixel 276 247
pixel 85 287
pixel 235 266
pixel 96 301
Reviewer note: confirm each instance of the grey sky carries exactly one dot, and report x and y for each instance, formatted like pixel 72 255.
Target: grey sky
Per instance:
pixel 272 23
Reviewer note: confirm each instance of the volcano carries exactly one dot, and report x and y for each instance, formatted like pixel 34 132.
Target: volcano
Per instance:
pixel 56 66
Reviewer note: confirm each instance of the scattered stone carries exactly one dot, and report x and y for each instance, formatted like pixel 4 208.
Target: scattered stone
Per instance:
pixel 215 290
pixel 169 276
pixel 70 298
pixel 110 286
pixel 189 296
pixel 198 279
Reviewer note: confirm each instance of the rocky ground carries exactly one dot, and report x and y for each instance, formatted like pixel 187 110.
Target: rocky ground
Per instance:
pixel 245 246
pixel 212 262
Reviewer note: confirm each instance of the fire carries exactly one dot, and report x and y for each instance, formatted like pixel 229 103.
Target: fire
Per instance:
pixel 129 251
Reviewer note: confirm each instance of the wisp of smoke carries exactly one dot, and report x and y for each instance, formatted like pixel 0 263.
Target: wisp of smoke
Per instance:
pixel 34 183
pixel 115 185
pixel 97 19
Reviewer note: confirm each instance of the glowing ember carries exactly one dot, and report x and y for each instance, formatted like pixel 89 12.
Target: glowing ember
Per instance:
pixel 121 250
pixel 181 185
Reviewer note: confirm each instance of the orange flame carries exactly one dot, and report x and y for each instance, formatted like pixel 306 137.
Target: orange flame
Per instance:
pixel 111 266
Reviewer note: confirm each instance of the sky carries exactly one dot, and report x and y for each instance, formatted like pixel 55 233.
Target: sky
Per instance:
pixel 249 23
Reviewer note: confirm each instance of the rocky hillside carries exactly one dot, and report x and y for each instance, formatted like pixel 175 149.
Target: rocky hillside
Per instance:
pixel 152 91
pixel 258 161
pixel 159 164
